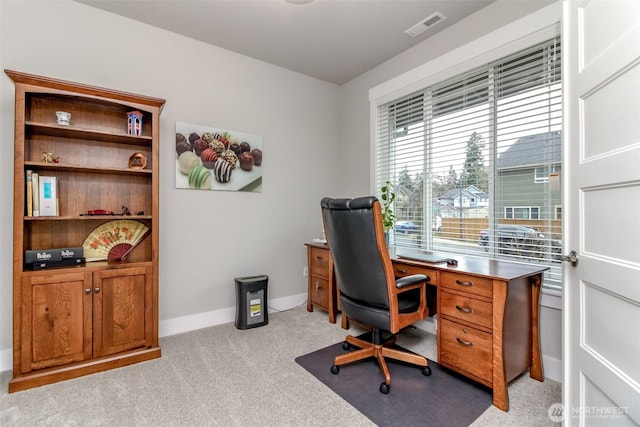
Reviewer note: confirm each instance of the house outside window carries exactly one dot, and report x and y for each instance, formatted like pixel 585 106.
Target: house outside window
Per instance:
pixel 474 153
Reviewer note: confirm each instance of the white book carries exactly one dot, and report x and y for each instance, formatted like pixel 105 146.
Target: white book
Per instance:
pixel 48 195
pixel 36 197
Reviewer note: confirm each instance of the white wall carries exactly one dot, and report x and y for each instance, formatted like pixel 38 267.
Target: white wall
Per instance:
pixel 207 238
pixel 315 145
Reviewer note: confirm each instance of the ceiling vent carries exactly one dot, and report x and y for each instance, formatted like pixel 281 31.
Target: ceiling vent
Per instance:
pixel 425 24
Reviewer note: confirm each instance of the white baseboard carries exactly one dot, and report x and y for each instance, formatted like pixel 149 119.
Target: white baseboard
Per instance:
pixel 552 368
pixel 426 325
pixel 6 360
pixel 179 325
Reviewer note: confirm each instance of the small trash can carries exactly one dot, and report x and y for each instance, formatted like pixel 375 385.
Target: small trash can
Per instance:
pixel 251 301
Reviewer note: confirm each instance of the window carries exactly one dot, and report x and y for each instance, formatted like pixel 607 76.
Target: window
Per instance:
pixel 473 154
pixel 542 173
pixel 558 210
pixel 522 212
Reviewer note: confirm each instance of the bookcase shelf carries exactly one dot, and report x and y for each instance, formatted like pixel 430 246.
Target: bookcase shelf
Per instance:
pixel 100 218
pixel 77 320
pixel 53 129
pixel 53 167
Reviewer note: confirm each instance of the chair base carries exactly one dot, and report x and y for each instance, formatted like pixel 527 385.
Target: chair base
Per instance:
pixel 379 350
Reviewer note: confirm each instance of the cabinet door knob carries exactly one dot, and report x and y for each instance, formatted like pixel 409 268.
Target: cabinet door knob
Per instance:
pixel 96 290
pixel 317 285
pixel 464 309
pixel 87 291
pixel 402 271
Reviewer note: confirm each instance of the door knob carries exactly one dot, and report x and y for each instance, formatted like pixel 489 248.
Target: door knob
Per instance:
pixel 572 258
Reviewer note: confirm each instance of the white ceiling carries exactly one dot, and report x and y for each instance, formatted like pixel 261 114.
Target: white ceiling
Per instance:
pixel 332 40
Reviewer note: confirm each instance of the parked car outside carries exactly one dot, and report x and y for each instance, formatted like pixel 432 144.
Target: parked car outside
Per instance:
pixel 406 227
pixel 523 241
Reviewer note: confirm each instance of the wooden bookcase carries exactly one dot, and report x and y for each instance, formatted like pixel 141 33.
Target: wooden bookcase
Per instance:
pixel 73 321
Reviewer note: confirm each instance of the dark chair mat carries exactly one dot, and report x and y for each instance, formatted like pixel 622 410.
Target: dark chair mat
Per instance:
pixel 444 398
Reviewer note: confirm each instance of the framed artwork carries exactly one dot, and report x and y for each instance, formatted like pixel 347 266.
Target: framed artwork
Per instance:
pixel 209 158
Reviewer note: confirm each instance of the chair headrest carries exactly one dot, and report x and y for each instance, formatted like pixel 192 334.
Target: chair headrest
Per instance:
pixel 346 204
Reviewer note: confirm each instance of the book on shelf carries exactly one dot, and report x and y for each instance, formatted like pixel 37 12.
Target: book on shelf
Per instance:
pixel 34 194
pixel 48 195
pixel 29 192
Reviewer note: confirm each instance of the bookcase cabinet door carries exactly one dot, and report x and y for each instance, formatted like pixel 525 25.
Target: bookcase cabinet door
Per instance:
pixel 122 315
pixel 57 323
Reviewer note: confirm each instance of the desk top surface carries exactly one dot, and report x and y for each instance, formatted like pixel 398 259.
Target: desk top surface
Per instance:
pixel 478 266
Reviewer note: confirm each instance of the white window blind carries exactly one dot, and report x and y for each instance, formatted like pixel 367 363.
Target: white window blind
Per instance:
pixel 475 161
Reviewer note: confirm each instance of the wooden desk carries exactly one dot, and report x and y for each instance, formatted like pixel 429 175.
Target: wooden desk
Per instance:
pixel 488 321
pixel 322 282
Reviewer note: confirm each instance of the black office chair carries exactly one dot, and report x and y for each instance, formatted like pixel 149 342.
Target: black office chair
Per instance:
pixel 369 292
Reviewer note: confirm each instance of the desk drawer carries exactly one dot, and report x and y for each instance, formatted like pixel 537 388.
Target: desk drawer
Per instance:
pixel 465 283
pixel 402 270
pixel 319 261
pixel 466 349
pixel 465 308
pixel 319 291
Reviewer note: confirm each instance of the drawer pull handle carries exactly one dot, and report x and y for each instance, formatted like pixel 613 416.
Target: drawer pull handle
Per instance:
pixel 461 283
pixel 319 257
pixel 464 309
pixel 467 343
pixel 402 271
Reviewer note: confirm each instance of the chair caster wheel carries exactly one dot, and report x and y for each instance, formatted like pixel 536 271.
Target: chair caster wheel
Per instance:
pixel 384 388
pixel 345 346
pixel 426 371
pixel 335 369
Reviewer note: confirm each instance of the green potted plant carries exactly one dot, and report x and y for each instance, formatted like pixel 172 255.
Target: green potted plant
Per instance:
pixel 388 196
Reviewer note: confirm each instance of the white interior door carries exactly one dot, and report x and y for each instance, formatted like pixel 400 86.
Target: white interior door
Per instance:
pixel 602 212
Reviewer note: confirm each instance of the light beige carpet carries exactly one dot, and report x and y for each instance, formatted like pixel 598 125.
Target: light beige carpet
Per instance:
pixel 223 376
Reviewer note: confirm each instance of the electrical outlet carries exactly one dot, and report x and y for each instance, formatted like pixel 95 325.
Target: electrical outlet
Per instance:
pixel 305 271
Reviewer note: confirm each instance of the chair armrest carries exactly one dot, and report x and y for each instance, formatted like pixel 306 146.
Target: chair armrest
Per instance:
pixel 414 279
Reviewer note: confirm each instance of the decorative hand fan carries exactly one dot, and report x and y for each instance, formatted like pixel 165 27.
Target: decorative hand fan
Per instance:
pixel 114 240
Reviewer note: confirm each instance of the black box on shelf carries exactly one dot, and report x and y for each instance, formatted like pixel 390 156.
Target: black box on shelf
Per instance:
pixel 54 264
pixel 53 255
